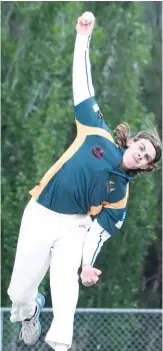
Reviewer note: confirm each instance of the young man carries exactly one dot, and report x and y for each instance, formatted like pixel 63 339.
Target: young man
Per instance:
pixel 91 178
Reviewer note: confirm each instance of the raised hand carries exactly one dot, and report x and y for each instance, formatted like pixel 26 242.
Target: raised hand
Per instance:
pixel 85 23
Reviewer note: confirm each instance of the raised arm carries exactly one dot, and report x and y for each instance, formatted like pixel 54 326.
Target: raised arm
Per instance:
pixel 82 80
pixel 86 109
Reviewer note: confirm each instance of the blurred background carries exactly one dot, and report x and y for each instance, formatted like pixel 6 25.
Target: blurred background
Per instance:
pixel 38 125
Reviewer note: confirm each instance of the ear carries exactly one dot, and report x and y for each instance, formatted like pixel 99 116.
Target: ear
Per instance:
pixel 130 141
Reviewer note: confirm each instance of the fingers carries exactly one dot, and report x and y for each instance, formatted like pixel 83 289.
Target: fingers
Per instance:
pixel 91 271
pixel 90 281
pixel 83 21
pixel 97 271
pixel 88 17
pixel 90 276
pixel 85 24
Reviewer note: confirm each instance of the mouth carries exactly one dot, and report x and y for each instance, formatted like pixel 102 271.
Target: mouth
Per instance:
pixel 135 159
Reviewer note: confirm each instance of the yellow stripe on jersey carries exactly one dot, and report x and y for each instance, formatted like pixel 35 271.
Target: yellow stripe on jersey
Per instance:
pixel 94 210
pixel 119 204
pixel 82 129
pixel 74 147
pixel 82 132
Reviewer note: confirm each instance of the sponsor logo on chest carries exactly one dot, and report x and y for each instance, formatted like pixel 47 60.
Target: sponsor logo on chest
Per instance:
pixel 98 152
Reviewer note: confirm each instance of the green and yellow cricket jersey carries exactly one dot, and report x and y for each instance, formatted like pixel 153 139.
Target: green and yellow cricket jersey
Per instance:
pixel 86 179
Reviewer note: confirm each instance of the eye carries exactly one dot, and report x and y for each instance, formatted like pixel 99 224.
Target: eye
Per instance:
pixel 147 158
pixel 141 148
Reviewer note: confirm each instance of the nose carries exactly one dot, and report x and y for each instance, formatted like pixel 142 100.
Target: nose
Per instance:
pixel 139 156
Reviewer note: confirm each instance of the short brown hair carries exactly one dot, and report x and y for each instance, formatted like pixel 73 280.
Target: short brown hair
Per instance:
pixel 123 134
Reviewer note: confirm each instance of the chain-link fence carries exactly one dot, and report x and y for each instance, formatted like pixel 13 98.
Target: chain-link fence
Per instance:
pixel 95 329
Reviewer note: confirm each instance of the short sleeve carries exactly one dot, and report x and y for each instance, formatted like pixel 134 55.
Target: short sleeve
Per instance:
pixel 111 219
pixel 89 114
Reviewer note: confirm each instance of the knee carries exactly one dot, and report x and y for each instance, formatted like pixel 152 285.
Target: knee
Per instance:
pixel 17 295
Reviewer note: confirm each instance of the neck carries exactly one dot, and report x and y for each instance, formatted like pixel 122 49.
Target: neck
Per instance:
pixel 123 168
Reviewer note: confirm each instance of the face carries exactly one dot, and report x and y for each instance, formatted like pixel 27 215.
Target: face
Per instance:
pixel 139 154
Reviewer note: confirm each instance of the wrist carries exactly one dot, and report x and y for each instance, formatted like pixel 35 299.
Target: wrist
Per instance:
pixel 83 35
pixel 86 265
pixel 83 38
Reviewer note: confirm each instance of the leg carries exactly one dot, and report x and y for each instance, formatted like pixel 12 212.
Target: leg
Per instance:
pixel 31 261
pixel 65 262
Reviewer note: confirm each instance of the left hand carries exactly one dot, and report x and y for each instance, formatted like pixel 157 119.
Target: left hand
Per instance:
pixel 89 275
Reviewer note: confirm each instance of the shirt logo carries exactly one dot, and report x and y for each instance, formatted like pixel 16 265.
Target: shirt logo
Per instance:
pixel 98 152
pixel 100 115
pixel 95 107
pixel 119 223
pixel 110 186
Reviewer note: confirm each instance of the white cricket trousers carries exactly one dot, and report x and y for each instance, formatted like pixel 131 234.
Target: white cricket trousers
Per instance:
pixel 46 239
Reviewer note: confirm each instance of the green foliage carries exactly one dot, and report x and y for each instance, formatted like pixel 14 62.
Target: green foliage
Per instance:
pixel 37 123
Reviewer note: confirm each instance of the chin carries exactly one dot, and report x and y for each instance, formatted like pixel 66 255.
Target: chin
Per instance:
pixel 130 165
pixel 133 165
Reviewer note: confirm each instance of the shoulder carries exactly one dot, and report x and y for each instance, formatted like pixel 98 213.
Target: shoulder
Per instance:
pixel 89 114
